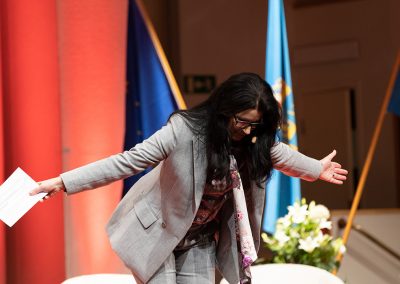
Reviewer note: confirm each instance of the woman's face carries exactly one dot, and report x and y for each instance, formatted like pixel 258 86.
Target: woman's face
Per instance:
pixel 242 123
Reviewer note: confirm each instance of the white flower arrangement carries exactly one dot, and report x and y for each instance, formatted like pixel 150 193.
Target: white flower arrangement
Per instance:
pixel 302 236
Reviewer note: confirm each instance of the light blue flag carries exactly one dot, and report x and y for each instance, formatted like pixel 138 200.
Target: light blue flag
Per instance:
pixel 394 104
pixel 149 96
pixel 282 190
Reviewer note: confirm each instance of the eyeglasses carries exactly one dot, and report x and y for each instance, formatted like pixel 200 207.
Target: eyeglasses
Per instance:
pixel 244 124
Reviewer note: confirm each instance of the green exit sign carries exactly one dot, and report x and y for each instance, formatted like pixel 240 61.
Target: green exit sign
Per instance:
pixel 197 84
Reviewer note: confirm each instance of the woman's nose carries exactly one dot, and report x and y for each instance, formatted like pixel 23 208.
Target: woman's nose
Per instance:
pixel 247 130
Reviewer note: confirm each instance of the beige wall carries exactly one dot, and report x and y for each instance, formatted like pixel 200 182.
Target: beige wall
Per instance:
pixel 348 45
pixel 338 50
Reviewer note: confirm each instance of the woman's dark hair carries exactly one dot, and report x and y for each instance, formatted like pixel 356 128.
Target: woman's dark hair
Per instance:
pixel 212 117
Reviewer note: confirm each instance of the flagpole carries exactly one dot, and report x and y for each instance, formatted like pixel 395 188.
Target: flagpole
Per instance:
pixel 161 55
pixel 370 154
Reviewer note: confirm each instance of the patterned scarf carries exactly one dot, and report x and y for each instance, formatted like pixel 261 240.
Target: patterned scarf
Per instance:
pixel 244 235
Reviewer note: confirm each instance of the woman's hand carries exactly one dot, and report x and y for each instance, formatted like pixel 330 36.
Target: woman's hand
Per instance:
pixel 332 171
pixel 50 186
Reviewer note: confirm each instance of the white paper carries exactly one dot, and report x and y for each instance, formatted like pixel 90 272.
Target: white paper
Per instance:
pixel 15 200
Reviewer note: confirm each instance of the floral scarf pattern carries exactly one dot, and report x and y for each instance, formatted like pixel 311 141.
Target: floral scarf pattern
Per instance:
pixel 244 235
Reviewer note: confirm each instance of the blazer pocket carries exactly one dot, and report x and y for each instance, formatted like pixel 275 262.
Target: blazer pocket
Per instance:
pixel 144 213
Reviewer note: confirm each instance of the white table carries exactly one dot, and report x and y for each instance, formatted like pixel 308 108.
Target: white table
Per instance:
pixel 290 274
pixel 101 279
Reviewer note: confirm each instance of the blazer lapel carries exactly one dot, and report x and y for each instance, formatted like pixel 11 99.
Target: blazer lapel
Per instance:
pixel 199 169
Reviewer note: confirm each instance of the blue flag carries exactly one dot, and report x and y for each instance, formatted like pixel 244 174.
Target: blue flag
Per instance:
pixel 150 97
pixel 282 190
pixel 394 104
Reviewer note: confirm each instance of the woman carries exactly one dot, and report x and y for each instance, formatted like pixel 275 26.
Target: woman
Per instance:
pixel 178 223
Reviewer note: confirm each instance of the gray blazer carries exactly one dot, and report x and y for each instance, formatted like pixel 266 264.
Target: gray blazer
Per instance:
pixel 157 212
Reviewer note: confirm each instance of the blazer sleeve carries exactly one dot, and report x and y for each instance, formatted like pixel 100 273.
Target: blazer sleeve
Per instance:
pixel 143 155
pixel 294 163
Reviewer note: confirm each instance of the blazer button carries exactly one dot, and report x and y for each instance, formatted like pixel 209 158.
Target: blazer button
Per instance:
pixel 163 225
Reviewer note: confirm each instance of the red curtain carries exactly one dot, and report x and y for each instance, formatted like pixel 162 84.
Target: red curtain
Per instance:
pixel 2 226
pixel 62 90
pixel 92 63
pixel 32 135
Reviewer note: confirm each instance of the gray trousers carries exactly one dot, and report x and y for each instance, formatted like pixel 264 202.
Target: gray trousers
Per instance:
pixel 195 265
